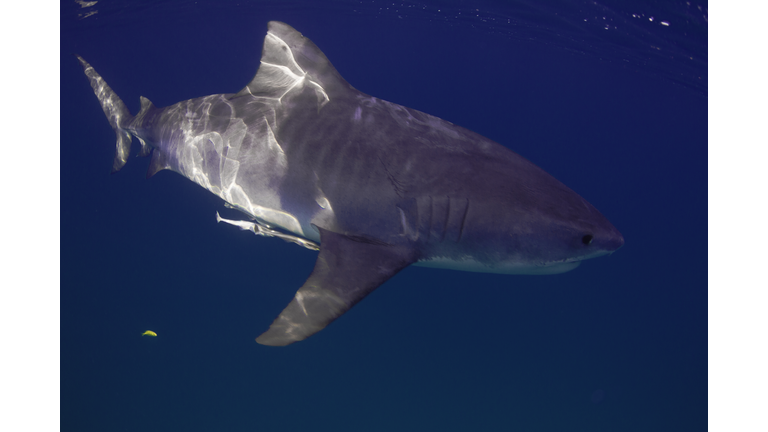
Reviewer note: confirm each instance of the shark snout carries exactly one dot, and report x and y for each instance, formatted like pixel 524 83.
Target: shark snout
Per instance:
pixel 609 240
pixel 614 243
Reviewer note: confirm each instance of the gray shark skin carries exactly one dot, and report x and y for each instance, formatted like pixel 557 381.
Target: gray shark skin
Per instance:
pixel 379 186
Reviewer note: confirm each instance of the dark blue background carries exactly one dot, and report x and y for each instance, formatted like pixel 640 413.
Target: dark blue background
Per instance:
pixel 619 344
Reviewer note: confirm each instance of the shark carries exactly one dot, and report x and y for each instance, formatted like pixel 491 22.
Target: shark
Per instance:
pixel 373 186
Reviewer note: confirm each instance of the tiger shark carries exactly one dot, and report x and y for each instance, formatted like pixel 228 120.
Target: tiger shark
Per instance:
pixel 374 186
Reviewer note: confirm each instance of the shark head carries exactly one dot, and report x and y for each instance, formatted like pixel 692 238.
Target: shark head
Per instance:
pixel 517 219
pixel 552 240
pixel 503 237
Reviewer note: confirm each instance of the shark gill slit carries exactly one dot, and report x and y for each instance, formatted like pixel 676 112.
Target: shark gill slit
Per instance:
pixel 429 222
pixel 447 217
pixel 463 219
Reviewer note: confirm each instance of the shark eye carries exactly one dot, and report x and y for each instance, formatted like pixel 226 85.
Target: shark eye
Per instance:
pixel 587 239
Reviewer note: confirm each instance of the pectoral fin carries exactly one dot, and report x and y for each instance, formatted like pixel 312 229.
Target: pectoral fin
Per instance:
pixel 347 269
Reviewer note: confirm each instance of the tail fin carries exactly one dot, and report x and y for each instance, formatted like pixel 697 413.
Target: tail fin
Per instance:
pixel 116 113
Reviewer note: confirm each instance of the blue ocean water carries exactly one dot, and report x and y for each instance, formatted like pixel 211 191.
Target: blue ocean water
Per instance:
pixel 608 97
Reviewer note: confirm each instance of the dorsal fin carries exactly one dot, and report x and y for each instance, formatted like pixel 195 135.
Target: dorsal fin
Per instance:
pixel 157 163
pixel 289 61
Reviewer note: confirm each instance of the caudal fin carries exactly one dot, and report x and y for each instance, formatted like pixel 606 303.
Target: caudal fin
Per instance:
pixel 116 113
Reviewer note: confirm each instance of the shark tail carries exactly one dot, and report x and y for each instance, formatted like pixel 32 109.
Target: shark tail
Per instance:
pixel 116 113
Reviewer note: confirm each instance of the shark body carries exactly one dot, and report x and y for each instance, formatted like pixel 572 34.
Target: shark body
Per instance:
pixel 373 185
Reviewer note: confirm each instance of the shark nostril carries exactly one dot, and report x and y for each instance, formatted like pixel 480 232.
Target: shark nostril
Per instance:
pixel 587 239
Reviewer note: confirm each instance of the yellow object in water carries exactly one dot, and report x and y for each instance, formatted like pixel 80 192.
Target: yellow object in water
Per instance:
pixel 149 333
